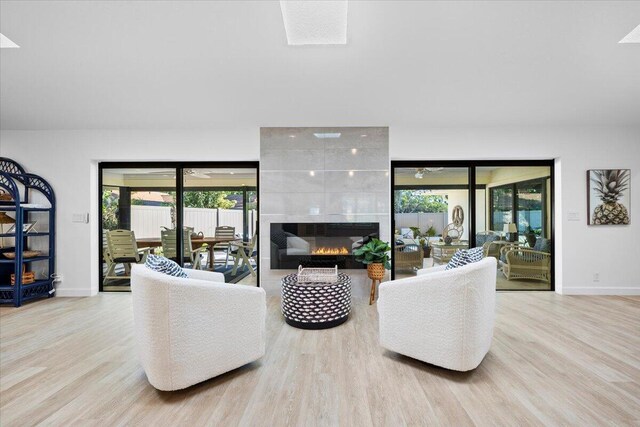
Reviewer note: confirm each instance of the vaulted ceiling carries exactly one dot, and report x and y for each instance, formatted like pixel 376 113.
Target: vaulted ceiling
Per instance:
pixel 201 65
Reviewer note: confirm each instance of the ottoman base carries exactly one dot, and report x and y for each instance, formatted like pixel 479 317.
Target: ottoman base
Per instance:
pixel 316 325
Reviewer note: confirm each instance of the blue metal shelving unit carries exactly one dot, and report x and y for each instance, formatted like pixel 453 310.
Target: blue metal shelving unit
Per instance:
pixel 19 184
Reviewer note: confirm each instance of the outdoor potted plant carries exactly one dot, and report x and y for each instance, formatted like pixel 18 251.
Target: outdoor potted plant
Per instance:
pixel 375 255
pixel 431 232
pixel 531 237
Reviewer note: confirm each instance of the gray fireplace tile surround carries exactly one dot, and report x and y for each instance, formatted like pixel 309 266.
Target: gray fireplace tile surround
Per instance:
pixel 304 178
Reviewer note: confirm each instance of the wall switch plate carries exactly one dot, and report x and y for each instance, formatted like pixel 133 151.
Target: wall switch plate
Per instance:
pixel 80 217
pixel 573 216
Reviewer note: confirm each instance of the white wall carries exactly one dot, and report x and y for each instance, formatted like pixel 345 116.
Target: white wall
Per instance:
pixel 581 250
pixel 68 160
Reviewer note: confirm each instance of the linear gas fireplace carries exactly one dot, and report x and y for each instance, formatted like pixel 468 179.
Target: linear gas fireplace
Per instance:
pixel 322 244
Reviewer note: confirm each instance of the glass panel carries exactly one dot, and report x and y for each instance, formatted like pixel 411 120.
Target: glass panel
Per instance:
pixel 431 213
pixel 501 207
pixel 531 213
pixel 136 203
pixel 220 216
pixel 517 216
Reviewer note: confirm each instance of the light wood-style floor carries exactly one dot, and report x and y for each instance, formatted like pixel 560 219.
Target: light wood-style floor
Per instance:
pixel 555 360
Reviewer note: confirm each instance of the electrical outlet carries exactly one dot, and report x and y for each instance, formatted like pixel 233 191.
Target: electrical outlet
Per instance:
pixel 596 277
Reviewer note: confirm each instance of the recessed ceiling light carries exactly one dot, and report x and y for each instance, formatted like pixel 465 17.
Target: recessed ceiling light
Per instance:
pixel 364 135
pixel 632 37
pixel 354 151
pixel 292 136
pixel 350 173
pixel 312 173
pixel 6 43
pixel 232 173
pixel 327 135
pixel 315 22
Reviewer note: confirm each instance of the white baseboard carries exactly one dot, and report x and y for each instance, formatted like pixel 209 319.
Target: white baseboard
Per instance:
pixel 614 290
pixel 75 292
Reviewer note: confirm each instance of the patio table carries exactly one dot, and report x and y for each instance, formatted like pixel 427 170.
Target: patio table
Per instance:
pixel 155 242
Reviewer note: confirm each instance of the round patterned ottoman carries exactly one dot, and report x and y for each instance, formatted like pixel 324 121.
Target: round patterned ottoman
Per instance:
pixel 316 305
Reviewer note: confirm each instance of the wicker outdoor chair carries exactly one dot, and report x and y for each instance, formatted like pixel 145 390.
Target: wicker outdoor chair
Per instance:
pixel 454 231
pixel 408 257
pixel 524 263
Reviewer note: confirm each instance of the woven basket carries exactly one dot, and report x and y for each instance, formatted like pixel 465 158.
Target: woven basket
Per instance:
pixel 317 275
pixel 375 271
pixel 27 277
pixel 25 254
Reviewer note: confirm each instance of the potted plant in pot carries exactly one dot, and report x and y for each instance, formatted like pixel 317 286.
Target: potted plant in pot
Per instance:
pixel 431 232
pixel 531 237
pixel 375 255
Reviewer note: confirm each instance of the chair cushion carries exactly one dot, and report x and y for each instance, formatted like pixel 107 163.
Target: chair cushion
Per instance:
pixel 125 259
pixel 482 238
pixel 165 266
pixel 542 245
pixel 464 257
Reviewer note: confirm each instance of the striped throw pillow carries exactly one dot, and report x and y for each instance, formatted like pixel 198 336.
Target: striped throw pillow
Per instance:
pixel 165 266
pixel 464 257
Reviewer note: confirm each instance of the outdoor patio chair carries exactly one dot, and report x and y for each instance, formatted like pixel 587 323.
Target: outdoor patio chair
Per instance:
pixel 454 231
pixel 122 248
pixel 170 247
pixel 226 232
pixel 408 257
pixel 526 263
pixel 242 253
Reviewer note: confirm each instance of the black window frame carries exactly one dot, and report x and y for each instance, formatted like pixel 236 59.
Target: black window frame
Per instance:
pixel 472 166
pixel 179 168
pixel 513 186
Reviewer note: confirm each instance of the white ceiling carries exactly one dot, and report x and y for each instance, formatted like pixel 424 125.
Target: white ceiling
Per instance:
pixel 204 65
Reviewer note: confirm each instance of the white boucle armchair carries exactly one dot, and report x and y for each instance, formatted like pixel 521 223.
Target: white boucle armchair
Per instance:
pixel 442 317
pixel 190 330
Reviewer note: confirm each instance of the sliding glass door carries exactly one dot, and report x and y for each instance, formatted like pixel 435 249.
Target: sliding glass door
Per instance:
pixel 509 214
pixel 431 216
pixel 209 216
pixel 136 204
pixel 518 230
pixel 219 213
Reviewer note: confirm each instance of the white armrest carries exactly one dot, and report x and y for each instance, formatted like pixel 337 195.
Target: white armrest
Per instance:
pixel 209 276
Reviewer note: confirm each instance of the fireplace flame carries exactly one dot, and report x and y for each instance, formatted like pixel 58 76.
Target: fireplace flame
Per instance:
pixel 330 251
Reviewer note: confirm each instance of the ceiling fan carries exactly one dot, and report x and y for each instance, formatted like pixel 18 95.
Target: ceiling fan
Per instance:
pixel 186 172
pixel 195 174
pixel 421 171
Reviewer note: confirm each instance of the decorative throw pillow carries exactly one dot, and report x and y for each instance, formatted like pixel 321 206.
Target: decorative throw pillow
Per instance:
pixel 542 245
pixel 464 257
pixel 165 266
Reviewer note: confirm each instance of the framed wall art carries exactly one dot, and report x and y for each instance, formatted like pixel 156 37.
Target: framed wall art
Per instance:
pixel 609 196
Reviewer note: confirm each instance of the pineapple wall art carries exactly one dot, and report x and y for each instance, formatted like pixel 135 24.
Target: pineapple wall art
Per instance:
pixel 609 196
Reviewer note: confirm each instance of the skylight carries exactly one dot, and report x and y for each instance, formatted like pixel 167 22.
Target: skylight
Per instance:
pixel 312 22
pixel 6 43
pixel 327 135
pixel 632 37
